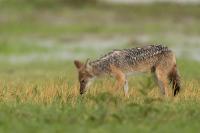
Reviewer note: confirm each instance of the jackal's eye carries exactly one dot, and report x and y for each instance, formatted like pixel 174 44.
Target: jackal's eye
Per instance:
pixel 82 81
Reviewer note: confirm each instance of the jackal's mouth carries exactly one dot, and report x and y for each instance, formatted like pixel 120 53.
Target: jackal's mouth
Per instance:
pixel 83 88
pixel 82 91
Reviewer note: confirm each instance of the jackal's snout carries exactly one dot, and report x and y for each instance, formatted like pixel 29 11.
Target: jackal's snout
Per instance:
pixel 82 87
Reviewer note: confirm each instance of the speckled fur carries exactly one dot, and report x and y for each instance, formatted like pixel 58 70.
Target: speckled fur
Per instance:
pixel 135 59
pixel 118 63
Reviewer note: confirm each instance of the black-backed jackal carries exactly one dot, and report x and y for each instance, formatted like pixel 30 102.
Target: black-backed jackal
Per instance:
pixel 157 59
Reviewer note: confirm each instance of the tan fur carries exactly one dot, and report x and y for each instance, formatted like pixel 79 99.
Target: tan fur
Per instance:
pixel 163 69
pixel 163 65
pixel 119 75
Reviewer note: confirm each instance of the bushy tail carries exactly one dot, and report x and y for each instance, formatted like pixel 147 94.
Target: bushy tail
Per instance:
pixel 175 80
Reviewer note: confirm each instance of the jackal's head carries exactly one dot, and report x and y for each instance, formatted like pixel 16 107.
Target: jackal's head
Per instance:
pixel 84 74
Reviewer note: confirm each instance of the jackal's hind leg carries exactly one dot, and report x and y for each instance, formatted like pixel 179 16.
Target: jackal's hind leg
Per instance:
pixel 162 81
pixel 161 86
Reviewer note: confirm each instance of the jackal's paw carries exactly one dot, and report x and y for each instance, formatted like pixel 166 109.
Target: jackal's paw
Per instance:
pixel 126 95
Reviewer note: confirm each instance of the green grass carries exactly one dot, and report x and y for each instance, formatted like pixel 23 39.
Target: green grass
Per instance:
pixel 43 97
pixel 120 116
pixel 8 48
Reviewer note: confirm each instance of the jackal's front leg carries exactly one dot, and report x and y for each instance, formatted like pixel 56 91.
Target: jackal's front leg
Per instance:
pixel 121 80
pixel 126 88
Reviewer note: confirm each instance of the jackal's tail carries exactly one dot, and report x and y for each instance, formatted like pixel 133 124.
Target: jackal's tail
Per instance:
pixel 175 80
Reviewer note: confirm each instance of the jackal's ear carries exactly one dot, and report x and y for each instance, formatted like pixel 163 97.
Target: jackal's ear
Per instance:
pixel 78 64
pixel 87 63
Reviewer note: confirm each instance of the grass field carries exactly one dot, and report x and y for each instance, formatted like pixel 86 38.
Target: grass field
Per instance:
pixel 38 81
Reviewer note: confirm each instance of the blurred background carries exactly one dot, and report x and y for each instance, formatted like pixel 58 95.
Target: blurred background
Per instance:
pixel 42 35
pixel 39 89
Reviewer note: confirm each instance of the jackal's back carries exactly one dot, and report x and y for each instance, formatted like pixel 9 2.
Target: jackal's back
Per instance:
pixel 134 59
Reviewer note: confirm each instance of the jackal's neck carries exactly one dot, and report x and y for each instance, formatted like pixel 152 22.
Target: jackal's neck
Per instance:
pixel 99 67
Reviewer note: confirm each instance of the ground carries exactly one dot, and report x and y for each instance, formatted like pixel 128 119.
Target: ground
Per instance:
pixel 38 81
